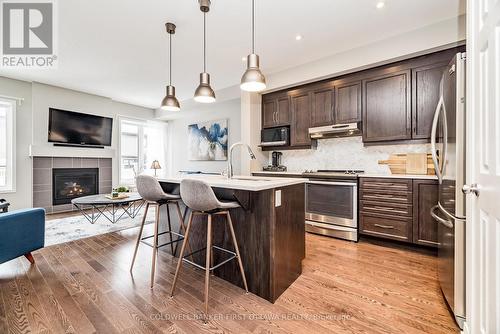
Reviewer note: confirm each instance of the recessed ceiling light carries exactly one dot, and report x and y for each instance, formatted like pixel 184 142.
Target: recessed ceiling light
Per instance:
pixel 380 4
pixel 298 37
pixel 243 59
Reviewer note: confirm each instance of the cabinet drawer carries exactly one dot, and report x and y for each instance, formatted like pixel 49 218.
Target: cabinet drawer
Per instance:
pixel 382 195
pixel 397 229
pixel 386 185
pixel 395 210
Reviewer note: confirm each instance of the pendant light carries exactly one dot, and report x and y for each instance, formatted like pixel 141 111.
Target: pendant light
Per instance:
pixel 253 80
pixel 204 93
pixel 170 102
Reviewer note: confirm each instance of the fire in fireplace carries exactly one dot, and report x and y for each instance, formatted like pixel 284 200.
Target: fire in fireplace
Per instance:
pixel 69 183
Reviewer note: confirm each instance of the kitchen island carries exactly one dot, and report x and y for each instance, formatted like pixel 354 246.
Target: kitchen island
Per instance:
pixel 269 227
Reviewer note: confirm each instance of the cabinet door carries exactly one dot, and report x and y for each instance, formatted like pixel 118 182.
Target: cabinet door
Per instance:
pixel 301 118
pixel 347 102
pixel 425 196
pixel 269 108
pixel 425 96
pixel 322 105
pixel 386 107
pixel 283 112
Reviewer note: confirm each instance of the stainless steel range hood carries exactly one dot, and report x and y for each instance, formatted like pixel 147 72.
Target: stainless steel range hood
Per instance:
pixel 336 130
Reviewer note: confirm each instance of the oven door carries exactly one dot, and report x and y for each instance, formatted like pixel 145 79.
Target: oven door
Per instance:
pixel 332 202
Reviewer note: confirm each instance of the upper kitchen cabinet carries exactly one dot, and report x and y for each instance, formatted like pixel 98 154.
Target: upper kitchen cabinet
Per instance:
pixel 386 106
pixel 347 101
pixel 322 97
pixel 301 117
pixel 275 110
pixel 425 97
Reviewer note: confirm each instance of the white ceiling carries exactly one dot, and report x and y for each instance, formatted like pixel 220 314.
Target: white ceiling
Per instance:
pixel 118 48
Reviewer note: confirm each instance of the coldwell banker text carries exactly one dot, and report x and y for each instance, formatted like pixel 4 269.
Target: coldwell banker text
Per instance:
pixel 28 34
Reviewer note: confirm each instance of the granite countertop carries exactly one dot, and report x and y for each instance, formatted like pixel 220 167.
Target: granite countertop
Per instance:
pixel 401 176
pixel 250 183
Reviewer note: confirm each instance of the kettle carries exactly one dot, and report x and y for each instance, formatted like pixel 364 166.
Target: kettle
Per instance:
pixel 276 156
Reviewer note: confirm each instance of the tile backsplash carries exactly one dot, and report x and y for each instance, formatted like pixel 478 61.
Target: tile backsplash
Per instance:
pixel 346 153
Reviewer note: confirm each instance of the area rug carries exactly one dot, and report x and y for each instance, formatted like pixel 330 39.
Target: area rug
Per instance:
pixel 62 230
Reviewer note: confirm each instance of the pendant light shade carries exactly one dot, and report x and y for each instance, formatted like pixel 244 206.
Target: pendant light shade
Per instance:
pixel 170 102
pixel 204 92
pixel 253 80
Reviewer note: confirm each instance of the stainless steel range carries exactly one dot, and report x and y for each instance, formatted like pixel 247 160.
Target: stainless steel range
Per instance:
pixel 332 203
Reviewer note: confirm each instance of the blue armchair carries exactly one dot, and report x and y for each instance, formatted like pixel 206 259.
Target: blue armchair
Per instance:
pixel 21 232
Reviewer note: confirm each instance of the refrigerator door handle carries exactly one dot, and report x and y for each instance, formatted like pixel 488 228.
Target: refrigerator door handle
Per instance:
pixel 440 220
pixel 433 139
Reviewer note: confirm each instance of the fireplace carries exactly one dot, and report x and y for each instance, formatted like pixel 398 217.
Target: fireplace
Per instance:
pixel 69 183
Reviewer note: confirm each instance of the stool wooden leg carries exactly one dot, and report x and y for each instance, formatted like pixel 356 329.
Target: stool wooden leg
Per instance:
pixel 179 262
pixel 240 263
pixel 170 229
pixel 30 258
pixel 183 228
pixel 139 236
pixel 207 262
pixel 155 245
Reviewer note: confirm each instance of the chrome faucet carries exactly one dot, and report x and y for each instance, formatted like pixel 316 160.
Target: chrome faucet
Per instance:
pixel 230 158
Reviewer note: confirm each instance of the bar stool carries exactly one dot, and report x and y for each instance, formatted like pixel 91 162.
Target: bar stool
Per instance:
pixel 150 190
pixel 201 199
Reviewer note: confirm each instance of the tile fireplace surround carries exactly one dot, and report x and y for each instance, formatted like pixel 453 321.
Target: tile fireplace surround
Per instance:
pixel 42 178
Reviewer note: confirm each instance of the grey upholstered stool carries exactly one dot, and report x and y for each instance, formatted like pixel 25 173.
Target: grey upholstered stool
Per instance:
pixel 150 190
pixel 200 198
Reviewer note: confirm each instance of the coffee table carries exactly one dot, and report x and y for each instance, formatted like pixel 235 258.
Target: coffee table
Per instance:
pixel 111 209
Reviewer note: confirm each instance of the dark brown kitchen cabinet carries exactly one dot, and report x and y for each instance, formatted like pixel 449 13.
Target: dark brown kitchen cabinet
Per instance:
pixel 347 101
pixel 275 110
pixel 425 97
pixel 301 118
pixel 322 98
pixel 425 196
pixel 398 209
pixel 387 107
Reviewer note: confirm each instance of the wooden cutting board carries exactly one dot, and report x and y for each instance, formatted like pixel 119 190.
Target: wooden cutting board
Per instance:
pixel 398 164
pixel 416 163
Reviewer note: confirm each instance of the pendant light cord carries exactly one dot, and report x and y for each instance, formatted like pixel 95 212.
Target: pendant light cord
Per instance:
pixel 204 41
pixel 170 59
pixel 253 26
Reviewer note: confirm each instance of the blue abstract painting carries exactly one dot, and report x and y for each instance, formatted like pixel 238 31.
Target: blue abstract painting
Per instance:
pixel 208 140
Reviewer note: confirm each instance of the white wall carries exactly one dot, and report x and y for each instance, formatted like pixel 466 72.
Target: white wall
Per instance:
pixel 178 132
pixel 32 125
pixel 21 198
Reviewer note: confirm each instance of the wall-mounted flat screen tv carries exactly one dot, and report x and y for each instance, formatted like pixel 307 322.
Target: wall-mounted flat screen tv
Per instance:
pixel 74 128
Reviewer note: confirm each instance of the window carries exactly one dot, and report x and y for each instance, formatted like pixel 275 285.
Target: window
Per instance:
pixel 7 141
pixel 141 142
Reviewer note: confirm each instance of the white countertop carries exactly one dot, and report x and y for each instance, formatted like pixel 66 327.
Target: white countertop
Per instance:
pixel 277 173
pixel 401 176
pixel 250 183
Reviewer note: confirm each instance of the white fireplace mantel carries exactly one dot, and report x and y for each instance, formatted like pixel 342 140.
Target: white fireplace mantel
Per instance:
pixel 75 152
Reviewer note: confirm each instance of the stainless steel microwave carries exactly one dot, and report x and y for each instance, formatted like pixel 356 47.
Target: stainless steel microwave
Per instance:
pixel 279 136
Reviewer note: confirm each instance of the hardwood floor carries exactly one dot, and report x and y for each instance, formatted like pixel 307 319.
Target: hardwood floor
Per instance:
pixel 84 286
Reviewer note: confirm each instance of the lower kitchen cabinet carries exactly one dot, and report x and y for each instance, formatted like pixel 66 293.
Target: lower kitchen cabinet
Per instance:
pixel 398 209
pixel 425 196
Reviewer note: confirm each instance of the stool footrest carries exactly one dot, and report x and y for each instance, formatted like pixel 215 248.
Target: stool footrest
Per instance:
pixel 232 257
pixel 180 238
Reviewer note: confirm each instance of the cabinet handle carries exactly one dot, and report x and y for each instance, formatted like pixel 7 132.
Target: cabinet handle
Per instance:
pixel 389 227
pixel 276 113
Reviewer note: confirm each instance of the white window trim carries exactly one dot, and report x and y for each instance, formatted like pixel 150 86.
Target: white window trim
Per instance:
pixel 137 121
pixel 10 187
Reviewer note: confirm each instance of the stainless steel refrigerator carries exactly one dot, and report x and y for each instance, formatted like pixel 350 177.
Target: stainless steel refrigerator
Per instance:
pixel 448 153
